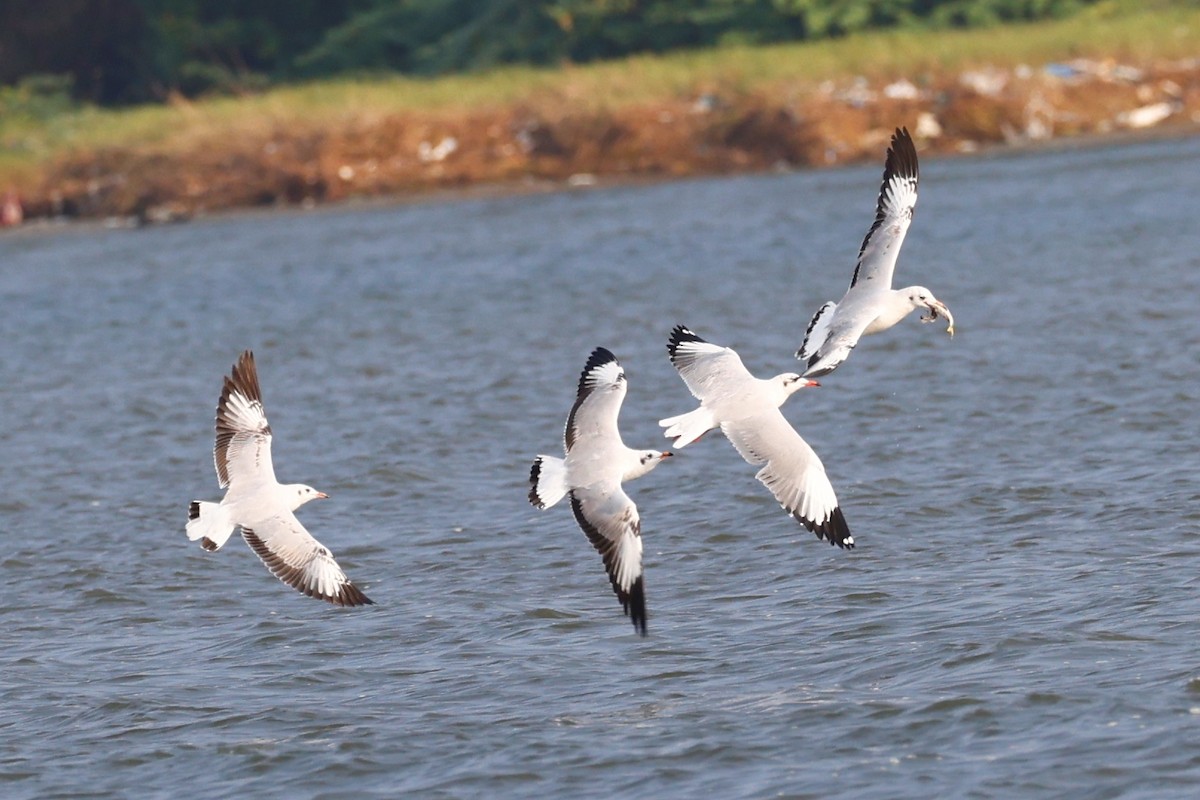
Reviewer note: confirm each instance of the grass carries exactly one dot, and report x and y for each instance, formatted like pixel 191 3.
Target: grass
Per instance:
pixel 1117 29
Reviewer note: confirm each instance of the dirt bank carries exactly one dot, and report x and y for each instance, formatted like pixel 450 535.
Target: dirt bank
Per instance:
pixel 708 133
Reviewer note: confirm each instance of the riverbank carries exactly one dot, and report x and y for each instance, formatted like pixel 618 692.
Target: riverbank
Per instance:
pixel 722 111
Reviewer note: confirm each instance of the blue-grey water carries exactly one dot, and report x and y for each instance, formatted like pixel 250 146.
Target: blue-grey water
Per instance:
pixel 1021 617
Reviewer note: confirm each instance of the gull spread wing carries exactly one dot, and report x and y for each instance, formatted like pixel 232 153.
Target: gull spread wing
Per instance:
pixel 706 368
pixel 300 561
pixel 893 214
pixel 818 330
pixel 602 389
pixel 793 472
pixel 242 453
pixel 611 522
pixel 840 337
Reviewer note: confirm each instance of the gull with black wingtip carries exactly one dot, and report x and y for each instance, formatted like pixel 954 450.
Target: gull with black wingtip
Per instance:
pixel 258 504
pixel 597 463
pixel 746 409
pixel 871 305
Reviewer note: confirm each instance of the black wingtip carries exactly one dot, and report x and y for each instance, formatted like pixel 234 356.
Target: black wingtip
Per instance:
pixel 194 510
pixel 350 595
pixel 636 607
pixel 242 378
pixel 833 530
pixel 208 544
pixel 679 335
pixel 901 156
pixel 599 357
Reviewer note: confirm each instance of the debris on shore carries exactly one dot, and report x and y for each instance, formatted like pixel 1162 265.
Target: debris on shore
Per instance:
pixel 711 132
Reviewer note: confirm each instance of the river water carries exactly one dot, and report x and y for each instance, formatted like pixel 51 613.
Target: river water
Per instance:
pixel 1021 617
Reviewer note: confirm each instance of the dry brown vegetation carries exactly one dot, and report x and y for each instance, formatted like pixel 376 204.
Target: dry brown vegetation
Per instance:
pixel 551 134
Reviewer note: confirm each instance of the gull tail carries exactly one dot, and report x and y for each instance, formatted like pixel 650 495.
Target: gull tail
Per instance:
pixel 209 523
pixel 548 481
pixel 687 428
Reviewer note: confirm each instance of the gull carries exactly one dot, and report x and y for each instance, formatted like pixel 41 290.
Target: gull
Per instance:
pixel 597 463
pixel 871 305
pixel 260 505
pixel 746 409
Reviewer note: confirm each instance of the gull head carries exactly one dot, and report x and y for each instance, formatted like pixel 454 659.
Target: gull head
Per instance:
pixel 647 460
pixel 297 494
pixel 791 382
pixel 920 297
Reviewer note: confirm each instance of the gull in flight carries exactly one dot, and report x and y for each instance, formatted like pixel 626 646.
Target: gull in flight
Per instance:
pixel 871 305
pixel 260 505
pixel 746 409
pixel 597 463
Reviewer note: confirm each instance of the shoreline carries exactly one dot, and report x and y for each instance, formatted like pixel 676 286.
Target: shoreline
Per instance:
pixel 424 155
pixel 497 190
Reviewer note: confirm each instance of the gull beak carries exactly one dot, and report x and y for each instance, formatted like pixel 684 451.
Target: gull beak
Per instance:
pixel 321 495
pixel 812 383
pixel 667 454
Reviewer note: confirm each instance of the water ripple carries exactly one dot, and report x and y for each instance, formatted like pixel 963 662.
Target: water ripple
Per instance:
pixel 1019 618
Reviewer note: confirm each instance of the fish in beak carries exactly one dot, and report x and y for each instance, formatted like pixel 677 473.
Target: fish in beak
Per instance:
pixel 938 309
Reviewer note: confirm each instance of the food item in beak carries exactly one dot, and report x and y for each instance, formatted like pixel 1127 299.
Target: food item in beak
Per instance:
pixel 941 311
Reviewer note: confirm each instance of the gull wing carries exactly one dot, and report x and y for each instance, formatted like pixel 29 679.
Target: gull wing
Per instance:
pixel 300 561
pixel 242 453
pixel 841 336
pixel 792 471
pixel 598 400
pixel 893 214
pixel 818 330
pixel 611 522
pixel 707 369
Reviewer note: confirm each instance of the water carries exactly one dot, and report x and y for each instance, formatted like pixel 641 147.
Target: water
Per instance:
pixel 1020 618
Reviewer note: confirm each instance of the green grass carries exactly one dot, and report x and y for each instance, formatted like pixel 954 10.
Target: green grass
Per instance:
pixel 1119 29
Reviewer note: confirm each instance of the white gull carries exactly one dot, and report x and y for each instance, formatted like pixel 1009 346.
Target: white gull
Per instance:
pixel 597 463
pixel 260 505
pixel 871 305
pixel 746 409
